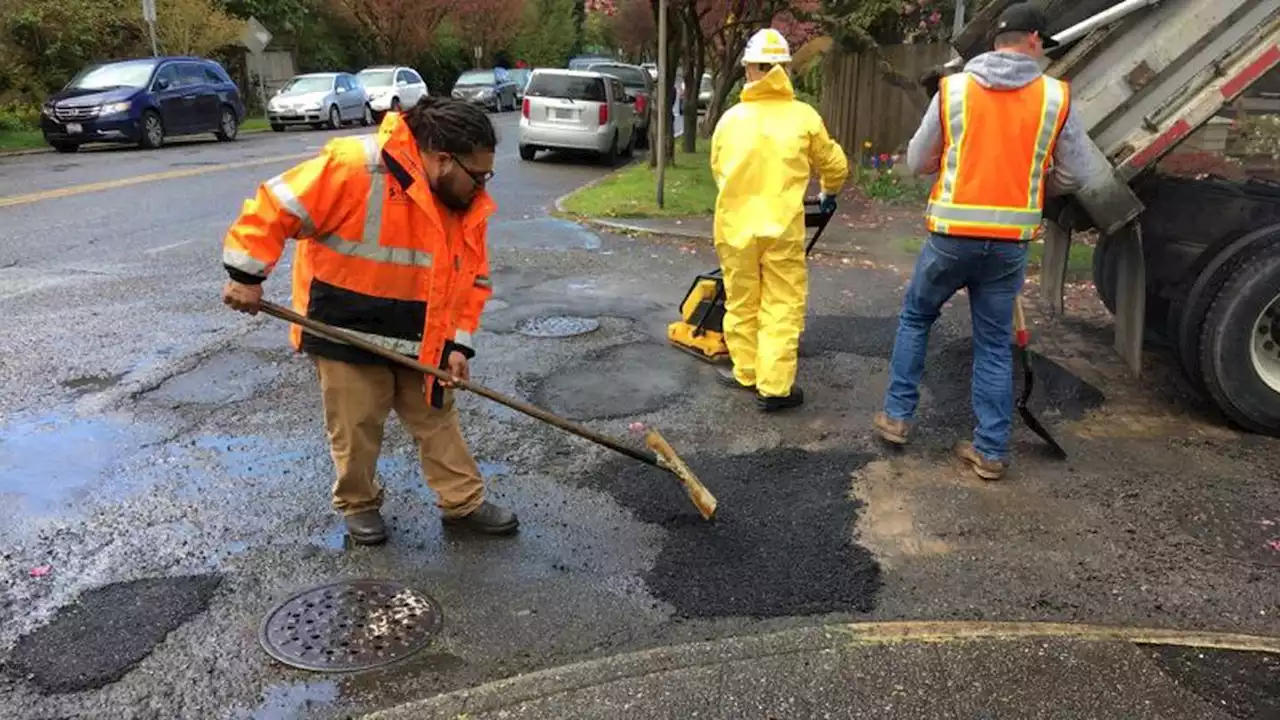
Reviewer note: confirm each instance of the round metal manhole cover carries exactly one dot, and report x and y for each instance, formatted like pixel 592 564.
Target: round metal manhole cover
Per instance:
pixel 349 626
pixel 557 326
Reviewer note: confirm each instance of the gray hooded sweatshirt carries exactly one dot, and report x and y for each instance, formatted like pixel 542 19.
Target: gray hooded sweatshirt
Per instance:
pixel 1072 161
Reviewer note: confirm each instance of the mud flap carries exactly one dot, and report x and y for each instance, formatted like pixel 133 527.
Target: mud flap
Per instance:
pixel 1053 266
pixel 1131 296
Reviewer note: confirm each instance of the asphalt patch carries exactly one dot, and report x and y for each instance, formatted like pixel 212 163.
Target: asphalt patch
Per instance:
pixel 620 381
pixel 99 638
pixel 1243 684
pixel 781 544
pixel 865 336
pixel 1058 393
pixel 1237 525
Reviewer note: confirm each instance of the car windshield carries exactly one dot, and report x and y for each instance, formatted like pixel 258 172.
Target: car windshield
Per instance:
pixel 375 78
pixel 632 78
pixel 568 87
pixel 308 84
pixel 126 74
pixel 477 77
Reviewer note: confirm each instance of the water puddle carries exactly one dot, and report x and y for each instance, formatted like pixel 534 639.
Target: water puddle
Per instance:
pixel 92 383
pixel 294 700
pixel 48 463
pixel 541 234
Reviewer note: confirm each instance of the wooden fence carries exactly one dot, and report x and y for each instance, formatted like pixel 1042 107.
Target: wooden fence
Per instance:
pixel 872 95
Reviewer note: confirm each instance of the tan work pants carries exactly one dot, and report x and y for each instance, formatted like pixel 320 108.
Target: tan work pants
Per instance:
pixel 357 401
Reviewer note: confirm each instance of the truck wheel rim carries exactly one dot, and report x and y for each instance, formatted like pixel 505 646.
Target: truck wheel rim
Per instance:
pixel 1265 348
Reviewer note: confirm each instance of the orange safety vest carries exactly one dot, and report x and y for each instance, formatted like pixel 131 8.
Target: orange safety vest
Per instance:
pixel 377 254
pixel 997 149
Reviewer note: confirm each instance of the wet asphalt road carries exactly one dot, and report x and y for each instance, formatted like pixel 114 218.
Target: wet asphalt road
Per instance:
pixel 150 434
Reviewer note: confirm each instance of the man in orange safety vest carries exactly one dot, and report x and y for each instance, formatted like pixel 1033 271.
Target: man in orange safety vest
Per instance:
pixel 1000 135
pixel 391 247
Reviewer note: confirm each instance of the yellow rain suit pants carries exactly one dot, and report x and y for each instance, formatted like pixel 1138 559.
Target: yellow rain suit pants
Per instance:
pixel 763 152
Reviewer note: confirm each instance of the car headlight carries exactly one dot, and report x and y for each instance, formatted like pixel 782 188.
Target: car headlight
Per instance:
pixel 311 106
pixel 114 108
pixel 485 92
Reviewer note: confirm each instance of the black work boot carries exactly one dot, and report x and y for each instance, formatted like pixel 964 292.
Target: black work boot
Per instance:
pixel 774 404
pixel 489 519
pixel 366 528
pixel 726 377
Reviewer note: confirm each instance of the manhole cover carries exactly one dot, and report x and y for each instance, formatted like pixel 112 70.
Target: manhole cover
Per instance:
pixel 354 625
pixel 557 326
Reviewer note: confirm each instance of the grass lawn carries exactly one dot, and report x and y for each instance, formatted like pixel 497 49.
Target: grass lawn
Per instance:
pixel 631 191
pixel 20 140
pixel 1079 260
pixel 254 124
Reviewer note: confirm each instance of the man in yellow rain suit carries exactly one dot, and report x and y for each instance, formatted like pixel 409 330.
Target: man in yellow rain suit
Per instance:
pixel 762 154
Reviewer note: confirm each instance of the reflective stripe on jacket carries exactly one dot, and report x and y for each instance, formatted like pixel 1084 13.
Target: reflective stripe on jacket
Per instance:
pixel 377 254
pixel 997 149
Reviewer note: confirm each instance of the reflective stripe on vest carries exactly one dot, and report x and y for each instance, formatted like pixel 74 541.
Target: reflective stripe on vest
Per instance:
pixel 405 347
pixel 367 247
pixel 1019 221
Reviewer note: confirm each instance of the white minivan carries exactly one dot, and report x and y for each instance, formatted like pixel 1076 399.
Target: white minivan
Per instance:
pixel 576 110
pixel 392 88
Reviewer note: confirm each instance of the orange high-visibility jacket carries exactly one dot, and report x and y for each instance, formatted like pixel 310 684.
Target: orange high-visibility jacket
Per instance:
pixel 997 149
pixel 377 254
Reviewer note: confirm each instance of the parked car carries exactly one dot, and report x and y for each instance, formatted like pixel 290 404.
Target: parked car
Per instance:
pixel 582 62
pixel 493 88
pixel 652 69
pixel 392 87
pixel 521 78
pixel 638 84
pixel 143 102
pixel 704 92
pixel 330 99
pixel 577 110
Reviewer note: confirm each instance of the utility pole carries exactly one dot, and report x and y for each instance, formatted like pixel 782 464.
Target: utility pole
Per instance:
pixel 664 118
pixel 149 15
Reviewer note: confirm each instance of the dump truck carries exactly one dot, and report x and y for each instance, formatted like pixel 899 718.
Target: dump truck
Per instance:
pixel 1191 264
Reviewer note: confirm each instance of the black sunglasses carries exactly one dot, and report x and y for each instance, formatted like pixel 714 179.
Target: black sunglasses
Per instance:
pixel 479 178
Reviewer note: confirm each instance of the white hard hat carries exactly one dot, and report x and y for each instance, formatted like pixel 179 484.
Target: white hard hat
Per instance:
pixel 768 47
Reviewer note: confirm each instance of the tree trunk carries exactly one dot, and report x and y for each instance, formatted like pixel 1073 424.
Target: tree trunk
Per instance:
pixel 694 60
pixel 729 76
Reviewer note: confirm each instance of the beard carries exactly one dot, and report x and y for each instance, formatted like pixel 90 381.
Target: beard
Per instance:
pixel 451 200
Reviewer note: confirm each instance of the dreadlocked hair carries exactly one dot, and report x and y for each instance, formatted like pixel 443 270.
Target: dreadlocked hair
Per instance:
pixel 453 126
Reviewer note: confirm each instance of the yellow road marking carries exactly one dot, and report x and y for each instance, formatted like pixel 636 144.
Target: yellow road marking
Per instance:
pixel 958 631
pixel 139 179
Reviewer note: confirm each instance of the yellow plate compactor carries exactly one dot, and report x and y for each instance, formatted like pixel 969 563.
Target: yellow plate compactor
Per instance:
pixel 700 329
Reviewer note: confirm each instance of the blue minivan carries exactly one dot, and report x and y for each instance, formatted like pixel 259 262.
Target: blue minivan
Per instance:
pixel 142 102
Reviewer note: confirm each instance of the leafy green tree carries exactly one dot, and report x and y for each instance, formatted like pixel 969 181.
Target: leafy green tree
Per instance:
pixel 547 34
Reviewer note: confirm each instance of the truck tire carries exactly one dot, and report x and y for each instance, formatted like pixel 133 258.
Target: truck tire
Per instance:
pixel 1240 346
pixel 1187 315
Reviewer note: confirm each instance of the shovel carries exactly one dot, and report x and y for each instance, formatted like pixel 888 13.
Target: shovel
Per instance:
pixel 660 453
pixel 1022 338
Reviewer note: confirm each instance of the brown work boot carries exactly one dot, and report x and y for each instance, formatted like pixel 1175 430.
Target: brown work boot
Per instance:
pixel 985 469
pixel 891 431
pixel 488 519
pixel 366 528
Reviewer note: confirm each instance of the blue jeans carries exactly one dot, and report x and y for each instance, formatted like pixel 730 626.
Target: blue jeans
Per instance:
pixel 993 271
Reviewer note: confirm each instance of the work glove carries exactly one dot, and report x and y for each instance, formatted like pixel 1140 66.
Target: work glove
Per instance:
pixel 827 204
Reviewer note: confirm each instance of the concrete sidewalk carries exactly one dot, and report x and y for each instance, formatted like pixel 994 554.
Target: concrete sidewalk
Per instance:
pixel 899 670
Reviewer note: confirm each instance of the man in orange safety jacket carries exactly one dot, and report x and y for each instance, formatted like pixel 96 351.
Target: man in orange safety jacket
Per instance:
pixel 391 247
pixel 1001 136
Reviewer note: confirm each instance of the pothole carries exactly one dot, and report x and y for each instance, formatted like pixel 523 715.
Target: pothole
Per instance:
pixel 557 326
pixel 620 381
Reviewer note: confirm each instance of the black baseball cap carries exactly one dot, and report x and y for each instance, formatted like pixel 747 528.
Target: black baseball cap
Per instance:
pixel 1025 17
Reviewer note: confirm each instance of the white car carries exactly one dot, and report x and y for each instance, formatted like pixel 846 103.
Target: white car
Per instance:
pixel 392 87
pixel 320 100
pixel 577 110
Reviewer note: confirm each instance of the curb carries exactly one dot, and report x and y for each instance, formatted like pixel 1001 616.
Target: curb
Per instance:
pixel 43 150
pixel 593 673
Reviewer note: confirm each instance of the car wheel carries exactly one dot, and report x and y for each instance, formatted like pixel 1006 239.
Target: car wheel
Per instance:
pixel 630 150
pixel 335 118
pixel 66 147
pixel 1240 346
pixel 366 118
pixel 527 152
pixel 395 104
pixel 610 156
pixel 228 126
pixel 152 131
pixel 277 127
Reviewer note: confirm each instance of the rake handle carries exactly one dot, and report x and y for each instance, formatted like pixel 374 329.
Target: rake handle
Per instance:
pixel 331 333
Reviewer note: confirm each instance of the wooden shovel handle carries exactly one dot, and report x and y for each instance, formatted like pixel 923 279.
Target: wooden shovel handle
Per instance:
pixel 1021 336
